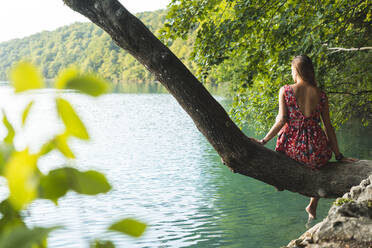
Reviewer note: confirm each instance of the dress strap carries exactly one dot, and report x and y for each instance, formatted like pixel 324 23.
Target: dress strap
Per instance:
pixel 287 94
pixel 323 98
pixel 290 98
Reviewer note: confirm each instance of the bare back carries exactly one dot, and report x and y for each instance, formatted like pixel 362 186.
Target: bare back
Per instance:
pixel 307 97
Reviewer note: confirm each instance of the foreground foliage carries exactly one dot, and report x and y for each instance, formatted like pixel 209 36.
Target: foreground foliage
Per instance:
pixel 27 183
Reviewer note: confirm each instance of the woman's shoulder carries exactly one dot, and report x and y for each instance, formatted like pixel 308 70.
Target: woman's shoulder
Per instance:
pixel 283 90
pixel 285 87
pixel 286 92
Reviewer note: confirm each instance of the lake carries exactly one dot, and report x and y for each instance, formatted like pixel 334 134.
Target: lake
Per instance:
pixel 163 172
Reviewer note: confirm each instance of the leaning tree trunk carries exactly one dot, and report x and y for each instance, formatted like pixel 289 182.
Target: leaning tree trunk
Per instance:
pixel 237 150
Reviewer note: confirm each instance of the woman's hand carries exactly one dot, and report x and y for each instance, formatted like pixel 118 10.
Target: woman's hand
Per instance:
pixel 261 142
pixel 349 160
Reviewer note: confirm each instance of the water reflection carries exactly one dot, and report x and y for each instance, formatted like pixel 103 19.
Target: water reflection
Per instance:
pixel 156 88
pixel 153 87
pixel 355 140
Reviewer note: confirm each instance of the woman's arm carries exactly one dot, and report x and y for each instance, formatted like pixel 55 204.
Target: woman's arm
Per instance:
pixel 331 135
pixel 281 119
pixel 329 130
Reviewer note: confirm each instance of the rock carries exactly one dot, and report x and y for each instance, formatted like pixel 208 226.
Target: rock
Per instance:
pixel 348 224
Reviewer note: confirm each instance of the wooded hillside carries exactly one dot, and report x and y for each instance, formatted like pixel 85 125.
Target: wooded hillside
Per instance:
pixel 87 46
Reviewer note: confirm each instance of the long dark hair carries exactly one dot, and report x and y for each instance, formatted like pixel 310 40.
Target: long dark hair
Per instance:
pixel 304 68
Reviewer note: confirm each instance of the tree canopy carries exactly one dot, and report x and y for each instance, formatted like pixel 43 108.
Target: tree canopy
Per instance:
pixel 250 44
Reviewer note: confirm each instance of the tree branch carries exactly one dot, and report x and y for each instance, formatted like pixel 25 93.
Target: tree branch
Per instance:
pixel 340 49
pixel 240 153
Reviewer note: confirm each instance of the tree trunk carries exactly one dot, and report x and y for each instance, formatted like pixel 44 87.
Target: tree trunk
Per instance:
pixel 237 150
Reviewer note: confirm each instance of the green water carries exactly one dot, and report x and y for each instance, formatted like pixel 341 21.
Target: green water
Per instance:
pixel 165 173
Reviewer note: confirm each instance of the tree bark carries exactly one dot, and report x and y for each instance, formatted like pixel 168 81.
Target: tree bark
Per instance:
pixel 238 152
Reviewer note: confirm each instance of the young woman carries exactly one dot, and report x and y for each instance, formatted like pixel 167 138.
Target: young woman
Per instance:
pixel 302 106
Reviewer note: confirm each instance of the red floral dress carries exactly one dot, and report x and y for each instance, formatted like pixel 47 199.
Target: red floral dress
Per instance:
pixel 302 138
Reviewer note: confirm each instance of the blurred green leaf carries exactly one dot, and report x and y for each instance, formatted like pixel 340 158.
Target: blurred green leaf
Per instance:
pixel 25 76
pixel 11 133
pixel 87 84
pixel 90 183
pixel 10 217
pixel 54 185
pixel 47 147
pixel 65 76
pixel 6 151
pixel 60 142
pixel 22 237
pixel 26 111
pixel 21 173
pixel 102 244
pixel 129 226
pixel 7 209
pixel 59 181
pixel 74 125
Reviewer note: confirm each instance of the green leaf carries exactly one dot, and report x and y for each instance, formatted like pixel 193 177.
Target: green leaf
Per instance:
pixel 25 76
pixel 65 76
pixel 6 151
pixel 74 126
pixel 102 244
pixel 87 84
pixel 60 142
pixel 59 181
pixel 26 111
pixel 90 183
pixel 22 237
pixel 10 217
pixel 21 173
pixel 54 185
pixel 129 226
pixel 11 133
pixel 48 147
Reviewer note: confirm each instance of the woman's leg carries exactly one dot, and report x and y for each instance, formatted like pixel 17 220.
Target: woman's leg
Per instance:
pixel 311 208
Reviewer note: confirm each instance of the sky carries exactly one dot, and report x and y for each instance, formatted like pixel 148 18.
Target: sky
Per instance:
pixel 20 18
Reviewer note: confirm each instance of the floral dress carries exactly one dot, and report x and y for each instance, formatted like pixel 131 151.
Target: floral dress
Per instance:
pixel 302 138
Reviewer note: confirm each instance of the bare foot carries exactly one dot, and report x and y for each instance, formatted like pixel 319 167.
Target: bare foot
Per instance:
pixel 311 210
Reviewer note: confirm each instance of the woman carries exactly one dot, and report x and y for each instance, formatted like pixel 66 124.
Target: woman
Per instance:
pixel 301 107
